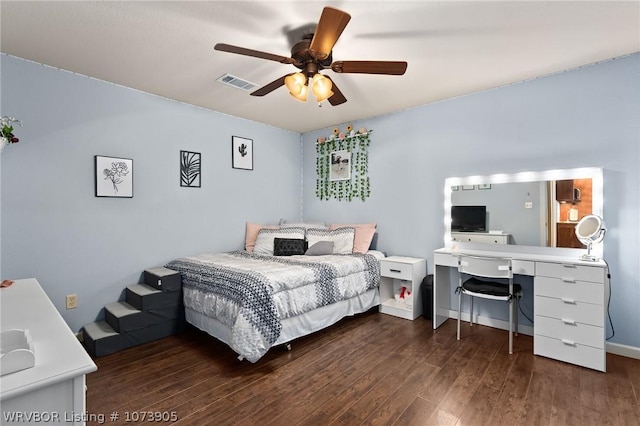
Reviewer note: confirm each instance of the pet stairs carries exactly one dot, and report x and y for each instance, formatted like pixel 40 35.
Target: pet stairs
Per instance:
pixel 150 311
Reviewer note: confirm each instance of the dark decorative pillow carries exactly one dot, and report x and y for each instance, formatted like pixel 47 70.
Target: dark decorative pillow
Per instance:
pixel 289 246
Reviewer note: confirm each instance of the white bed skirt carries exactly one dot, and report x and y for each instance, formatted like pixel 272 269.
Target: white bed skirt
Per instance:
pixel 297 326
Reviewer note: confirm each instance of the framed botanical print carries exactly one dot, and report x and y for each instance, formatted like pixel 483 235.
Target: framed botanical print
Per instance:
pixel 113 177
pixel 241 153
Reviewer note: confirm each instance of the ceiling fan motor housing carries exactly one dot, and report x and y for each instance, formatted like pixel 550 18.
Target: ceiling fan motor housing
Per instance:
pixel 304 61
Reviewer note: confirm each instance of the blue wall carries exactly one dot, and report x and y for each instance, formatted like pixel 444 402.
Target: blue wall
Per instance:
pixel 55 229
pixel 586 117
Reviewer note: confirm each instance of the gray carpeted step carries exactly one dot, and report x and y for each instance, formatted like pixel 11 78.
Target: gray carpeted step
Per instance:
pixel 153 332
pixel 123 317
pixel 100 339
pixel 147 298
pixel 163 279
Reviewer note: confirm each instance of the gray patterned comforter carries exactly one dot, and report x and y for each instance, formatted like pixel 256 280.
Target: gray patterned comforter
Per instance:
pixel 251 294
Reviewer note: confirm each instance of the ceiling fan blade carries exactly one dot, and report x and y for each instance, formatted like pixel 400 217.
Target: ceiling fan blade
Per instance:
pixel 332 23
pixel 275 84
pixel 337 98
pixel 254 53
pixel 370 67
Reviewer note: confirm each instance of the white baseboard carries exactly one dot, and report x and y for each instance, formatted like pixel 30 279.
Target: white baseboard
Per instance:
pixel 613 348
pixel 623 350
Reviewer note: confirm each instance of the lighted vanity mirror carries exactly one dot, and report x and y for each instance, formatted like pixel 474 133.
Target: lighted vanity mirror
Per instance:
pixel 529 208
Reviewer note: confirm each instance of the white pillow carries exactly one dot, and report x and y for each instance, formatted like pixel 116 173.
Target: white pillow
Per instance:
pixel 342 238
pixel 289 223
pixel 265 239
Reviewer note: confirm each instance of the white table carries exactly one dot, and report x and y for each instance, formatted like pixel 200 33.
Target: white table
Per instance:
pixel 53 389
pixel 569 298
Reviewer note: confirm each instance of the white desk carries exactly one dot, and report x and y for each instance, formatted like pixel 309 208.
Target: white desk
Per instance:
pixel 55 387
pixel 569 299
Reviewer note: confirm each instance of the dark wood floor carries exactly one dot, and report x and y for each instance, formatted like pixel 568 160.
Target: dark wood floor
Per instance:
pixel 369 369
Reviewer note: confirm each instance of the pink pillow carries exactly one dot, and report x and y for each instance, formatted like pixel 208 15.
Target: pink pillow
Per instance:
pixel 252 234
pixel 363 237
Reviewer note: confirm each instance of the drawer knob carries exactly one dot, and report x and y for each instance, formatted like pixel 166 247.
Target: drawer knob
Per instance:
pixel 395 270
pixel 568 280
pixel 567 300
pixel 568 321
pixel 568 342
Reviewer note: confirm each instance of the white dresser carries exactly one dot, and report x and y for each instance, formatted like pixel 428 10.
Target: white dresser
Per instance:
pixel 569 299
pixel 52 391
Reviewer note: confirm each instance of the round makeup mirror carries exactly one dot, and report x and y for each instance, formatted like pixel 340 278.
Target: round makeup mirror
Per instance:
pixel 590 230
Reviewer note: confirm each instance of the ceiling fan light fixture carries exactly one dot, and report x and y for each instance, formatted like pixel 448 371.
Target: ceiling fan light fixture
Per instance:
pixel 321 87
pixel 295 83
pixel 301 95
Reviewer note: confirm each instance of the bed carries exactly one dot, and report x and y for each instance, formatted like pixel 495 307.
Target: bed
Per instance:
pixel 254 300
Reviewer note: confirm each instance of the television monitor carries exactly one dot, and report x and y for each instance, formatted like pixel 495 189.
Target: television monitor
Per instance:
pixel 469 218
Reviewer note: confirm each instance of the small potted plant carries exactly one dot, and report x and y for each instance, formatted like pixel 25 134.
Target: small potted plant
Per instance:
pixel 6 131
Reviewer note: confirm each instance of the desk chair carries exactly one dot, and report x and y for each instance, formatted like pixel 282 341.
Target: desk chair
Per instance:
pixel 488 267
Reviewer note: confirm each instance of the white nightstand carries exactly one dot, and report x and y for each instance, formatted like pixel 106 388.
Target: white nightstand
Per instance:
pixel 397 272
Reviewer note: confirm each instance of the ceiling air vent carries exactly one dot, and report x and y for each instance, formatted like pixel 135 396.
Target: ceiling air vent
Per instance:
pixel 238 83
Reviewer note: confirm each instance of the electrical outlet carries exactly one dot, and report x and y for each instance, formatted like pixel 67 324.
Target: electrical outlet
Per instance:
pixel 72 301
pixel 528 205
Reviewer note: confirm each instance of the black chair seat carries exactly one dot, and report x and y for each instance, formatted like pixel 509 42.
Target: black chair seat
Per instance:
pixel 493 288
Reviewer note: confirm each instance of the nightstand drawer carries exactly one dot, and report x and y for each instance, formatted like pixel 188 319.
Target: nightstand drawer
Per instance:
pixel 586 313
pixel 578 291
pixel 570 272
pixel 398 270
pixel 570 333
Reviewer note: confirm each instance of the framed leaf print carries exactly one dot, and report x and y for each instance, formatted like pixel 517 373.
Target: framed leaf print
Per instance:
pixel 190 171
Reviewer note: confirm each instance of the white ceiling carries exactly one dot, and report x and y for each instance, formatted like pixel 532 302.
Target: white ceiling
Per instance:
pixel 452 48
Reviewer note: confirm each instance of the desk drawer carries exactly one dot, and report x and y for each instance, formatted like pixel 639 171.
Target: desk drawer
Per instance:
pixel 398 270
pixel 586 313
pixel 578 291
pixel 568 272
pixel 570 334
pixel 585 356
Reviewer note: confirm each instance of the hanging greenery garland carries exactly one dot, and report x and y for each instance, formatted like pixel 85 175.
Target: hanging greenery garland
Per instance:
pixel 351 183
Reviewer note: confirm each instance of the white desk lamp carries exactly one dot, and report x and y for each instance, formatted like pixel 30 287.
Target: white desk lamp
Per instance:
pixel 590 230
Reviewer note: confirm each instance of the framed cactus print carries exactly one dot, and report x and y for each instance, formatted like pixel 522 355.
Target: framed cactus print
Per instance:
pixel 241 153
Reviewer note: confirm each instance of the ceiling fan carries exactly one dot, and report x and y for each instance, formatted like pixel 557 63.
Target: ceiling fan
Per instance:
pixel 311 55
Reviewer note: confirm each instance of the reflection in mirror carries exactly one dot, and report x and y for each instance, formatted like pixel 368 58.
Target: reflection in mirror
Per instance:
pixel 531 208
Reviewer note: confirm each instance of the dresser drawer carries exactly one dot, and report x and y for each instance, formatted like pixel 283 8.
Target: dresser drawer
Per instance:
pixel 586 313
pixel 571 334
pixel 578 291
pixel 398 270
pixel 570 272
pixel 585 356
